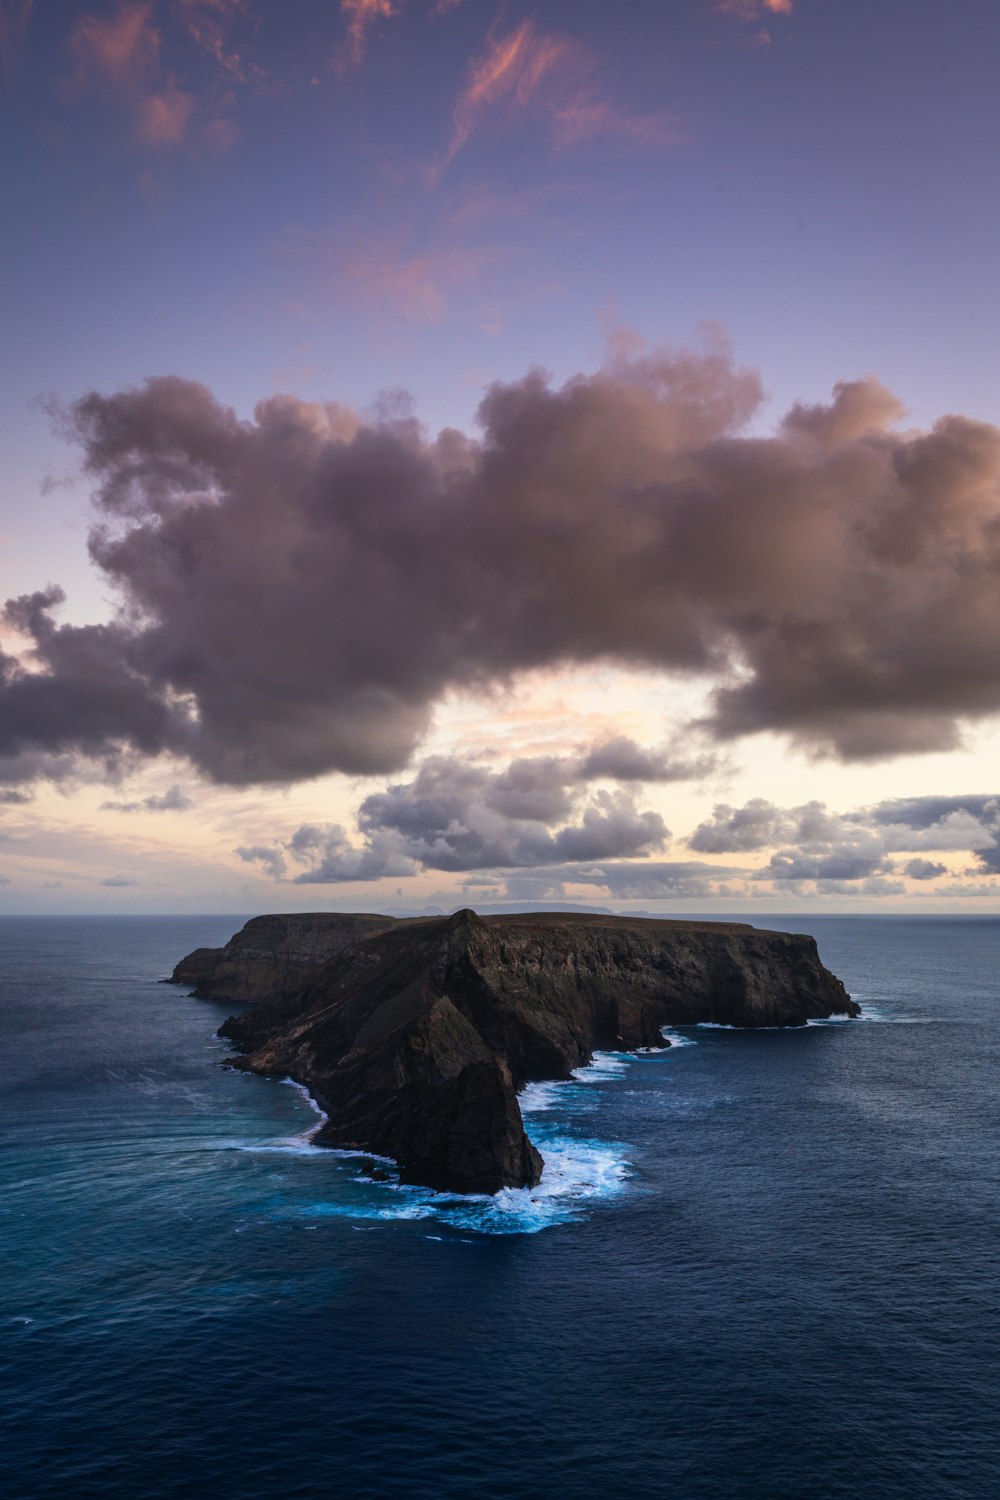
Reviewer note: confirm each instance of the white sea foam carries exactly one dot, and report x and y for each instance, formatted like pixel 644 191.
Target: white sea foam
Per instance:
pixel 578 1170
pixel 535 1098
pixel 603 1065
pixel 675 1038
pixel 818 1021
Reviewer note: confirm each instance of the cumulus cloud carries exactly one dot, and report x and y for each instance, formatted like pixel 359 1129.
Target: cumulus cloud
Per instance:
pixel 268 856
pixel 758 824
pixel 821 846
pixel 924 869
pixel 299 590
pixel 458 817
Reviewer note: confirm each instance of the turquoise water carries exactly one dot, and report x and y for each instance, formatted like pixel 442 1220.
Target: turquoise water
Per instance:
pixel 759 1264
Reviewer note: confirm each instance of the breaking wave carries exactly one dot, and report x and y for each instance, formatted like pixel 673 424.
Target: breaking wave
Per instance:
pixel 580 1169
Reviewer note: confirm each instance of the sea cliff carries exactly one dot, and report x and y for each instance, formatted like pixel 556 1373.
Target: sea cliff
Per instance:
pixel 415 1036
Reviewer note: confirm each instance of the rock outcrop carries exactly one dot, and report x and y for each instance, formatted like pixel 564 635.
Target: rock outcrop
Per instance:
pixel 415 1036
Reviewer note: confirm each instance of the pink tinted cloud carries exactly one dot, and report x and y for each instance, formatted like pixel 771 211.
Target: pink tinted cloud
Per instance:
pixel 127 57
pixel 209 24
pixel 359 18
pixel 163 118
pixel 124 48
pixel 416 288
pixel 528 71
pixel 754 10
pixel 14 18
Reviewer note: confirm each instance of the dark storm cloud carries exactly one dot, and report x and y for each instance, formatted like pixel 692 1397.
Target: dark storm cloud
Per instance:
pixel 299 591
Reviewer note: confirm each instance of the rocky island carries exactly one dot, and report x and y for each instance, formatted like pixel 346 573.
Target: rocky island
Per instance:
pixel 415 1035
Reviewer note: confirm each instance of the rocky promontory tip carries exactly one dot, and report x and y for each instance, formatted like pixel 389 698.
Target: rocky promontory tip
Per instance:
pixel 416 1035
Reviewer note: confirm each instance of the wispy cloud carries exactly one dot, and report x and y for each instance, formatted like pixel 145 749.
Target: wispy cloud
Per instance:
pixel 418 287
pixel 14 18
pixel 210 23
pixel 163 119
pixel 124 48
pixel 754 13
pixel 172 800
pixel 754 10
pixel 359 18
pixel 528 71
pixel 138 55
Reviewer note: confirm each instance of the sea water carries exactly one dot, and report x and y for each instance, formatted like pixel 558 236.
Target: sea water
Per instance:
pixel 760 1265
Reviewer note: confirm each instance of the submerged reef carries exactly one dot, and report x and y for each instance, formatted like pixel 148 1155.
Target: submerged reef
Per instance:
pixel 416 1035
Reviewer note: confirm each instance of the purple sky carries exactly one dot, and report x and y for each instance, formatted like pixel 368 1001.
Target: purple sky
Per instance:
pixel 323 657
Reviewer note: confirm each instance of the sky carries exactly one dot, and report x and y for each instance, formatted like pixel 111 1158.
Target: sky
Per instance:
pixel 498 454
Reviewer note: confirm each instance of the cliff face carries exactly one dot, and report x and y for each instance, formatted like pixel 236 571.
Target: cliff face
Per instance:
pixel 273 956
pixel 416 1036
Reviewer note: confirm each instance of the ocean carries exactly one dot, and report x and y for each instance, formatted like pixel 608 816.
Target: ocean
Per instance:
pixel 760 1266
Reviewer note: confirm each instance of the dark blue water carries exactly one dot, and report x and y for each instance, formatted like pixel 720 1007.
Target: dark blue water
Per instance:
pixel 763 1265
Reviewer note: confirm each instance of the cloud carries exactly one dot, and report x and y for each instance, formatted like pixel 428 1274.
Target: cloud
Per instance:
pixel 124 48
pixel 924 869
pixel 416 287
pixel 856 846
pixel 621 759
pixel 840 865
pixel 360 16
pixel 163 118
pixel 332 858
pixel 133 56
pixel 454 817
pixel 173 800
pixel 118 882
pixel 298 591
pixel 210 23
pixel 459 817
pixel 267 855
pixel 754 10
pixel 527 71
pixel 15 16
pixel 759 824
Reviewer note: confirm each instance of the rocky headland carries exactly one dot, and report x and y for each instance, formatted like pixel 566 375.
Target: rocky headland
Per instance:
pixel 416 1035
